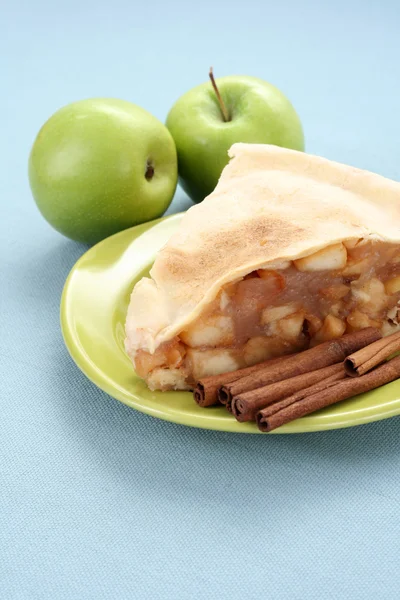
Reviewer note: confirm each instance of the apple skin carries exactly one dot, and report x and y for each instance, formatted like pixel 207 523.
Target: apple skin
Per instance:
pixel 88 164
pixel 260 114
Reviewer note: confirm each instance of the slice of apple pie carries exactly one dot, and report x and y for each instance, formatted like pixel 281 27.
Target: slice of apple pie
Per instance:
pixel 289 251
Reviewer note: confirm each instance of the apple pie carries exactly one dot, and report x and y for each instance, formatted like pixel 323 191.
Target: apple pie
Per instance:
pixel 289 251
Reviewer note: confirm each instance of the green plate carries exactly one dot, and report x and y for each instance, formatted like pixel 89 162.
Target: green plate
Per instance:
pixel 93 309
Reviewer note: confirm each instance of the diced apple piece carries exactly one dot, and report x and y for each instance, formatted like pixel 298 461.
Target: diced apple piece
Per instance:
pixel 389 327
pixel 145 362
pixel 311 325
pixel 335 292
pixel 337 308
pixel 392 323
pixel 361 296
pixel 393 315
pixel 364 249
pixel 211 331
pixel 275 313
pixel 278 266
pixel 174 357
pixel 174 353
pixel 359 320
pixel 395 259
pixel 170 355
pixel 331 329
pixel 167 379
pixel 212 362
pixel 262 348
pixel 290 327
pixel 370 294
pixel 257 350
pixel 275 279
pixel 393 285
pixel 356 267
pixel 328 259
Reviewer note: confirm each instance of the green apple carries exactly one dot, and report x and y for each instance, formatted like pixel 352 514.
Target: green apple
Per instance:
pixel 256 112
pixel 101 165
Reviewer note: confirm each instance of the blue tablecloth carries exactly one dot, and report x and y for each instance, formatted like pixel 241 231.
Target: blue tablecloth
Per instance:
pixel 98 501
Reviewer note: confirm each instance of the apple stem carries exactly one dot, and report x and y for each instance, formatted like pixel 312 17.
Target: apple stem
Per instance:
pixel 223 108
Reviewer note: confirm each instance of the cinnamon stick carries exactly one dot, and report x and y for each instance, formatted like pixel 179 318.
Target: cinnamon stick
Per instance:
pixel 277 415
pixel 205 392
pixel 245 406
pixel 323 355
pixel 301 394
pixel 369 357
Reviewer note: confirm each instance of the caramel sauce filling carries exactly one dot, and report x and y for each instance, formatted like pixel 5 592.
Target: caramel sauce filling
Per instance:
pixel 273 312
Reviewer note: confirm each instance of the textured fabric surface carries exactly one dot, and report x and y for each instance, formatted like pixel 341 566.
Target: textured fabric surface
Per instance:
pixel 98 501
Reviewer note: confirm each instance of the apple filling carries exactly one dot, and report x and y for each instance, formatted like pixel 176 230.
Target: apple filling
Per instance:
pixel 268 313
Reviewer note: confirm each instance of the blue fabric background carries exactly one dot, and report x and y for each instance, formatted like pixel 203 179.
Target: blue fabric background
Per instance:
pixel 98 501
